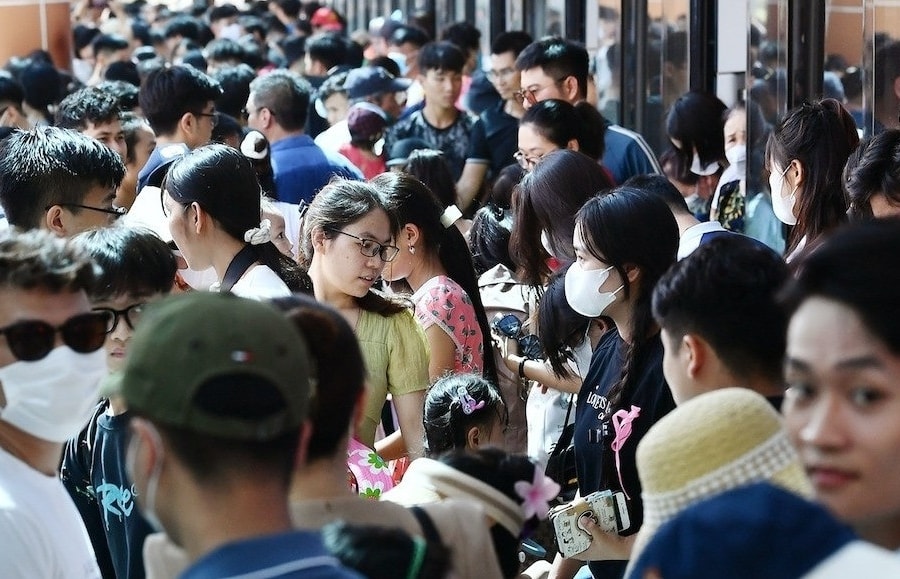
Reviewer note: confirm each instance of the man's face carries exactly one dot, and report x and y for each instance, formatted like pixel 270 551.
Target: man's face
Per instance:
pixel 252 112
pixel 18 305
pixel 206 122
pixel 110 134
pixel 128 310
pixel 411 53
pixel 96 211
pixel 537 87
pixel 337 105
pixel 441 87
pixel 503 74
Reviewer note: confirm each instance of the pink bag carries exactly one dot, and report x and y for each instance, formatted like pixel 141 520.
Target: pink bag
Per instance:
pixel 371 472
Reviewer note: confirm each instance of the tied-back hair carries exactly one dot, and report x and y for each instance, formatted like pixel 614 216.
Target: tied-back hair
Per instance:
pixel 560 122
pixel 340 203
pixel 630 227
pixel 820 135
pixel 547 199
pixel 873 168
pixel 412 202
pixel 447 421
pixel 224 183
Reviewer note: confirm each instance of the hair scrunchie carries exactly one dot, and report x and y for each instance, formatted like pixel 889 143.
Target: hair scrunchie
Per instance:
pixel 259 235
pixel 450 215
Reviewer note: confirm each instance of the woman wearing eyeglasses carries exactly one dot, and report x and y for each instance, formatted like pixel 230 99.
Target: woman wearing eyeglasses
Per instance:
pixel 348 237
pixel 437 264
pixel 212 199
pixel 555 124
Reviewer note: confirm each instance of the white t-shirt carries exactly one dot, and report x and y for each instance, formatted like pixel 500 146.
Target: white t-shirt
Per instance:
pixel 334 136
pixel 41 533
pixel 260 282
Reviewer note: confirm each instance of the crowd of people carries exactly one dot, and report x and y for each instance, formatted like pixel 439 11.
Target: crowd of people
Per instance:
pixel 279 300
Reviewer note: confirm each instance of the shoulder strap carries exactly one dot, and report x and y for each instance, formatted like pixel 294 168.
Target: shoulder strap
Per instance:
pixel 565 437
pixel 428 528
pixel 238 266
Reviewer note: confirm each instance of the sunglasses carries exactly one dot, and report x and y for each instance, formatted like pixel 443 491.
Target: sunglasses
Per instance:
pixel 31 340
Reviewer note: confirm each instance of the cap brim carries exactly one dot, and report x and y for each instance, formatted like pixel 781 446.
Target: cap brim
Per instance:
pixel 401 84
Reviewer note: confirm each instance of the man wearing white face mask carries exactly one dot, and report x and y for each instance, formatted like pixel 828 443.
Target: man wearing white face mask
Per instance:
pixel 51 363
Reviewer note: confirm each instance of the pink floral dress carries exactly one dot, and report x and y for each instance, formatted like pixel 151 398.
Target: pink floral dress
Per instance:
pixel 444 302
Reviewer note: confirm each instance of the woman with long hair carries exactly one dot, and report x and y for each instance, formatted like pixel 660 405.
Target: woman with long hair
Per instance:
pixel 348 237
pixel 624 241
pixel 212 200
pixel 436 263
pixel 805 157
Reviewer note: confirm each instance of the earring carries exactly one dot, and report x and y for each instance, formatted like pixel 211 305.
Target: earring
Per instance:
pixel 412 249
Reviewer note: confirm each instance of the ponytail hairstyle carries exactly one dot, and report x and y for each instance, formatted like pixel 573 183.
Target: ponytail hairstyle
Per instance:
pixel 561 122
pixel 820 136
pixel 454 405
pixel 412 202
pixel 431 168
pixel 223 182
pixel 340 203
pixel 631 227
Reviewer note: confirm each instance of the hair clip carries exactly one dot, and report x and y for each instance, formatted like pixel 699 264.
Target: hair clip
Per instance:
pixel 536 495
pixel 450 215
pixel 259 235
pixel 469 404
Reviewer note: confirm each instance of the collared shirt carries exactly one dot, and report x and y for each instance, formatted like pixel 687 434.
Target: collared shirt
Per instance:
pixel 301 168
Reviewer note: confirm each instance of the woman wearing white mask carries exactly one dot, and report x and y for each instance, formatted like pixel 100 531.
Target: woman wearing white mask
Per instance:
pixel 694 126
pixel 624 241
pixel 805 157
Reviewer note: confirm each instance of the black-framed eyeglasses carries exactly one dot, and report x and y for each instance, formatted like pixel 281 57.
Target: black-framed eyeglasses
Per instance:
pixel 213 116
pixel 114 211
pixel 370 247
pixel 31 340
pixel 132 315
pixel 525 161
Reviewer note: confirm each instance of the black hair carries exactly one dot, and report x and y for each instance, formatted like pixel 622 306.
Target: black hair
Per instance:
pixel 430 167
pixel 856 266
pixel 168 93
pixel 286 95
pixel 559 59
pixel 226 126
pixel 83 36
pixel 409 34
pixel 43 86
pixel 131 261
pixel 380 552
pixel 412 202
pixel 887 69
pixel 225 50
pixel 513 41
pixel 560 122
pixel 388 64
pixel 873 168
pixel 193 56
pixel 630 227
pixel 125 93
pixel 291 8
pixel 560 327
pixel 131 125
pixel 489 238
pixel 89 105
pixel 328 48
pixel 334 84
pixel 820 136
pixel 108 43
pixel 725 292
pixel 235 82
pixel 462 34
pixel 696 120
pixel 293 48
pixel 123 71
pixel 49 166
pixel 222 12
pixel 338 204
pixel 504 185
pixel 660 186
pixel 447 422
pixel 11 90
pixel 340 375
pixel 224 183
pixel 441 56
pixel 502 471
pixel 547 199
pixel 183 26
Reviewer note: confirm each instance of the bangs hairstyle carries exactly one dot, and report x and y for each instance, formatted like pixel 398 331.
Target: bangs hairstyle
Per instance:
pixel 132 261
pixel 441 56
pixel 696 119
pixel 630 227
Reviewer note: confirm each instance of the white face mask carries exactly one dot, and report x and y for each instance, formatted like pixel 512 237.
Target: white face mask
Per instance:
pixel 697 168
pixel 232 32
pixel 147 500
pixel 737 157
pixel 52 398
pixel 582 290
pixel 781 205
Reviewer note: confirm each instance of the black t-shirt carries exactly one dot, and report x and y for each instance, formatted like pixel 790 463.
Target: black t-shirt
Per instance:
pixel 494 139
pixel 595 431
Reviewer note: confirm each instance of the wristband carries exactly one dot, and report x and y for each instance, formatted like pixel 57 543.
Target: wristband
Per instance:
pixel 522 368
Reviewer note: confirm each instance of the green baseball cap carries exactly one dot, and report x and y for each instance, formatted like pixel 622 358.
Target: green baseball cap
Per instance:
pixel 219 365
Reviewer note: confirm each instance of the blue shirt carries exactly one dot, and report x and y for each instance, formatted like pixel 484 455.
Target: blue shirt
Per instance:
pixel 628 154
pixel 294 554
pixel 302 168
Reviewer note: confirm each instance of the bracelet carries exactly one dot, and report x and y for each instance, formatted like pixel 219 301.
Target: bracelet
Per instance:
pixel 522 368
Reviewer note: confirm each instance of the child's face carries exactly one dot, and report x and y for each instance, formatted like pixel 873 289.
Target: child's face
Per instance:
pixel 127 309
pixel 277 232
